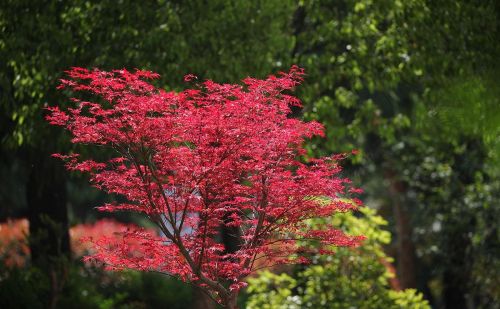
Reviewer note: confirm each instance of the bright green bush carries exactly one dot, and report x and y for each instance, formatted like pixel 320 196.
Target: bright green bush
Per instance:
pixel 352 278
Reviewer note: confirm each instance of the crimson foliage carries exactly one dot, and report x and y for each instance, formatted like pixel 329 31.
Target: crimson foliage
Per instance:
pixel 212 156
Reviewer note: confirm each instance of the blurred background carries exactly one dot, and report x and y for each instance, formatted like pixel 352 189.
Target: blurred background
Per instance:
pixel 413 85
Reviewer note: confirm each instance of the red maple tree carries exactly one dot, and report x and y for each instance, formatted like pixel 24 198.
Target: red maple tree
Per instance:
pixel 216 155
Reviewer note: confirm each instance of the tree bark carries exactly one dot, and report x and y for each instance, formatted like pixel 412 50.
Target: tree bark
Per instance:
pixel 233 301
pixel 202 300
pixel 46 197
pixel 231 239
pixel 48 220
pixel 404 242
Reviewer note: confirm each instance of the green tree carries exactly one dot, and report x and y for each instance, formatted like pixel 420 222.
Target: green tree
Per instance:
pixel 392 78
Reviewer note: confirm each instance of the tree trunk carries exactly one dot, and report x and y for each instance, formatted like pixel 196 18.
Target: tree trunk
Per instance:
pixel 202 300
pixel 233 301
pixel 405 247
pixel 231 238
pixel 48 220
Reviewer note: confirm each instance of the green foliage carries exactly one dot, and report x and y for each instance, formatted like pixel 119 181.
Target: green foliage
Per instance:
pixel 413 85
pixel 92 288
pixel 24 289
pixel 456 232
pixel 465 106
pixel 351 278
pixel 269 291
pixel 408 298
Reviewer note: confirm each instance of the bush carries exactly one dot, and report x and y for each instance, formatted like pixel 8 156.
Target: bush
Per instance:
pixel 351 278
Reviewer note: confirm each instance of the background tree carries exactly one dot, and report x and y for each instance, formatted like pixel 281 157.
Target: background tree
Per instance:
pixel 378 80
